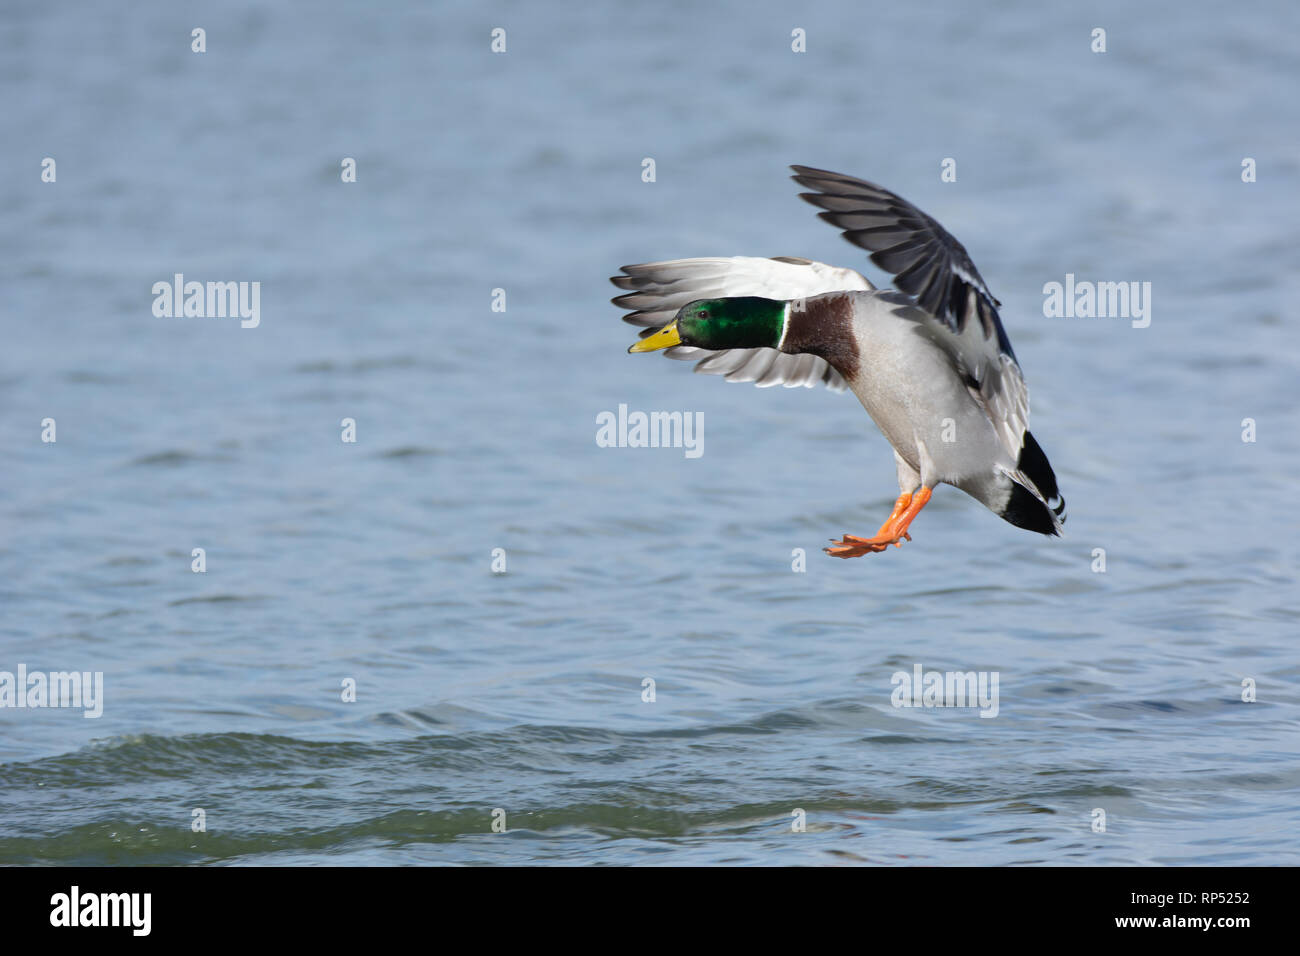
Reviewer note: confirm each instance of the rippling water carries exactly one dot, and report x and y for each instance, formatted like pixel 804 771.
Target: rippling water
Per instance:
pixel 522 691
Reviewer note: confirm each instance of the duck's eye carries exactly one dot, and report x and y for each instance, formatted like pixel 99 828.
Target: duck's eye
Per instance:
pixel 702 314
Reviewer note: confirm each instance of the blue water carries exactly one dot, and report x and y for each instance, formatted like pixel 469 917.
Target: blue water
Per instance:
pixel 373 561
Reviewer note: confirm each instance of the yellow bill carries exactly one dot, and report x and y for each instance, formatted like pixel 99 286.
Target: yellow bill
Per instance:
pixel 665 338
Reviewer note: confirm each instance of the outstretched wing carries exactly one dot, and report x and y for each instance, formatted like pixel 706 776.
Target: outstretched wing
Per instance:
pixel 657 290
pixel 934 269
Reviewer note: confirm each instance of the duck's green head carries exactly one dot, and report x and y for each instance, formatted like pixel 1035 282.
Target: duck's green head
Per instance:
pixel 743 322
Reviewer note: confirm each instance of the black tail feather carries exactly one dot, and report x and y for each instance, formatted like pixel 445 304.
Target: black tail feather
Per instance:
pixel 1023 509
pixel 1033 465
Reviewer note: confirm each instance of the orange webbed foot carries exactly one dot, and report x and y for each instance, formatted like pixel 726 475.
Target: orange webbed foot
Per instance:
pixel 893 531
pixel 851 546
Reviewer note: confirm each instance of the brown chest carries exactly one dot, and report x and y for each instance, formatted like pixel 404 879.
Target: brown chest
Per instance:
pixel 823 326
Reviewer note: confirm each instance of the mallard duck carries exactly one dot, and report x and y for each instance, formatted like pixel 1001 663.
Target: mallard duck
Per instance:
pixel 929 361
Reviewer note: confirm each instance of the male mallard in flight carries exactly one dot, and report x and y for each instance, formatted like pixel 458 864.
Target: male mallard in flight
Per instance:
pixel 930 363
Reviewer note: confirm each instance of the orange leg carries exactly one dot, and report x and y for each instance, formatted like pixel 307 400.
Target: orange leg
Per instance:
pixel 893 531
